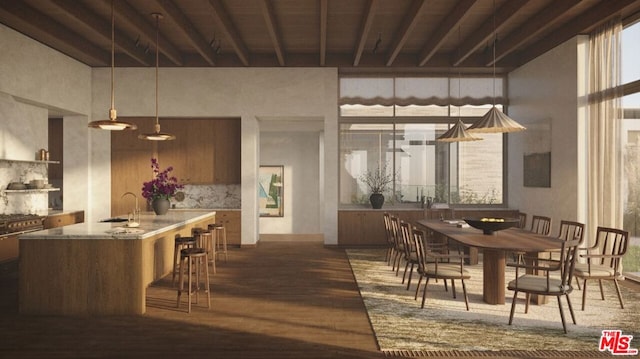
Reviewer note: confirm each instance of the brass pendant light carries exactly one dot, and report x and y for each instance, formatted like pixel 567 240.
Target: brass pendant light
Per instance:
pixel 495 121
pixel 157 135
pixel 112 124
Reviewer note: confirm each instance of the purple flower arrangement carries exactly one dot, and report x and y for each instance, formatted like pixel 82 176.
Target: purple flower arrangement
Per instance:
pixel 163 185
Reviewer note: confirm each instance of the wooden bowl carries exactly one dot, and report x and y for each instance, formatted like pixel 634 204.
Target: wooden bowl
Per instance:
pixel 489 225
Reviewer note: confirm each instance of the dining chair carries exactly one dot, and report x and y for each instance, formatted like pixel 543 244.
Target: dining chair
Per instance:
pixel 390 241
pixel 410 255
pixel 523 220
pixel 430 265
pixel 554 280
pixel 603 260
pixel 541 225
pixel 398 244
pixel 569 230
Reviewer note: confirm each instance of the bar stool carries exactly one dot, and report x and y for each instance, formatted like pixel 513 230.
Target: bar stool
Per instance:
pixel 180 243
pixel 205 240
pixel 196 262
pixel 220 238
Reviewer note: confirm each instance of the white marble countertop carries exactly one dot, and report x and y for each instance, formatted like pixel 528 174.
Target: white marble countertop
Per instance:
pixel 150 224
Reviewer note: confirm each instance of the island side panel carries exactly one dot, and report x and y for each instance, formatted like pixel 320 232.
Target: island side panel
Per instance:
pixel 81 276
pixel 94 276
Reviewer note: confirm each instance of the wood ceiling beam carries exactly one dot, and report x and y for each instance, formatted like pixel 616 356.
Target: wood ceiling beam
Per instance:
pixel 531 28
pixel 323 30
pixel 195 38
pixel 42 28
pixel 272 28
pixel 125 12
pixel 103 29
pixel 222 17
pixel 408 24
pixel 365 28
pixel 444 29
pixel 584 23
pixel 482 35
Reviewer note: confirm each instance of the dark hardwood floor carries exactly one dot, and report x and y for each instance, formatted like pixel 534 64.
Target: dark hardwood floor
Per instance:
pixel 277 300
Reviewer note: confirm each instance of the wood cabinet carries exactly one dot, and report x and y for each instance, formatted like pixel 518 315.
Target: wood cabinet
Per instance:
pixel 361 228
pixel 205 151
pixel 366 227
pixel 232 223
pixel 226 165
pixel 63 219
pixel 8 248
pixel 192 152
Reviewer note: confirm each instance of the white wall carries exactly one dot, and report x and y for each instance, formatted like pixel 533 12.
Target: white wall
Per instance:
pixel 298 152
pixel 543 94
pixel 251 94
pixel 36 82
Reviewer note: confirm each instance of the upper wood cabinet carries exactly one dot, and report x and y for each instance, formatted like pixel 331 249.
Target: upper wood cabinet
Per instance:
pixel 205 151
pixel 226 163
pixel 192 152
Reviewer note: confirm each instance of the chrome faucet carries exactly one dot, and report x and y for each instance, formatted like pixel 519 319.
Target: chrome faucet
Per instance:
pixel 136 210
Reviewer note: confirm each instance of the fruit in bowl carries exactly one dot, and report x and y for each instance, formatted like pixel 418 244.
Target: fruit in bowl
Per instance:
pixel 489 225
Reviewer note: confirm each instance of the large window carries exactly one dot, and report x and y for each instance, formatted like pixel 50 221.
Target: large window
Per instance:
pixel 391 125
pixel 631 145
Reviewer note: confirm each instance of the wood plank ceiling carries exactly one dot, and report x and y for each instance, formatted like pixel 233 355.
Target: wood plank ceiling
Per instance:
pixel 353 35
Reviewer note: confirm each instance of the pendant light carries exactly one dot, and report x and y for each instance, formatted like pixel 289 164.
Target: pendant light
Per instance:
pixel 458 133
pixel 157 135
pixel 495 121
pixel 112 124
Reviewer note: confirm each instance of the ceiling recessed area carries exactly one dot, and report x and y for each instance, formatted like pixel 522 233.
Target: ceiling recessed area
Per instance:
pixel 352 35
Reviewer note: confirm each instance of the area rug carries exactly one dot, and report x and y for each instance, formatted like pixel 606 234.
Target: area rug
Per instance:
pixel 444 324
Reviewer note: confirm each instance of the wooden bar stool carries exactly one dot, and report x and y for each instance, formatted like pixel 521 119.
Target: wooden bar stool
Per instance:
pixel 220 238
pixel 180 243
pixel 205 239
pixel 196 262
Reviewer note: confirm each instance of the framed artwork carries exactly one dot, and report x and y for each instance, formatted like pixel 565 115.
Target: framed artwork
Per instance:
pixel 537 169
pixel 270 191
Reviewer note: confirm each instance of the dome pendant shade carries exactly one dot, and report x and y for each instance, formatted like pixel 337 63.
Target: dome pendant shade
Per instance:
pixel 112 124
pixel 457 133
pixel 157 135
pixel 495 121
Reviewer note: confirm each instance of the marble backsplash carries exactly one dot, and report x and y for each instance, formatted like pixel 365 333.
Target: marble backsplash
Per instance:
pixel 215 196
pixel 28 202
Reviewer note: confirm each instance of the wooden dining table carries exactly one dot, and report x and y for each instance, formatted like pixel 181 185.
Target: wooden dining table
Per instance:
pixel 494 248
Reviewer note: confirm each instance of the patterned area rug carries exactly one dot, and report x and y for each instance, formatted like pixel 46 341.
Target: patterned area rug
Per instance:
pixel 444 324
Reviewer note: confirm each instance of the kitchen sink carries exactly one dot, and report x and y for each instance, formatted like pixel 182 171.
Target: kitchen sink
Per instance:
pixel 116 219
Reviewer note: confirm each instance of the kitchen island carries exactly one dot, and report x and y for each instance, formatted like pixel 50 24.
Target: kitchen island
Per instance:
pixel 100 268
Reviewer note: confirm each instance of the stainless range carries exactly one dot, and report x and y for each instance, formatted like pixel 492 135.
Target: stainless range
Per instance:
pixel 11 224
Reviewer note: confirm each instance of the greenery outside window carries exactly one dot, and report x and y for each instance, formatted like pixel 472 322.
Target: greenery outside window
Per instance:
pixel 393 123
pixel 424 170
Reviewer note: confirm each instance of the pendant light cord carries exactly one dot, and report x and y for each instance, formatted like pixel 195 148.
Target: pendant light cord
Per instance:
pixel 157 52
pixel 113 105
pixel 495 38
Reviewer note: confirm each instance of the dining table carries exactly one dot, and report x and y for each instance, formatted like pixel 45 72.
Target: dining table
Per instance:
pixel 494 249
